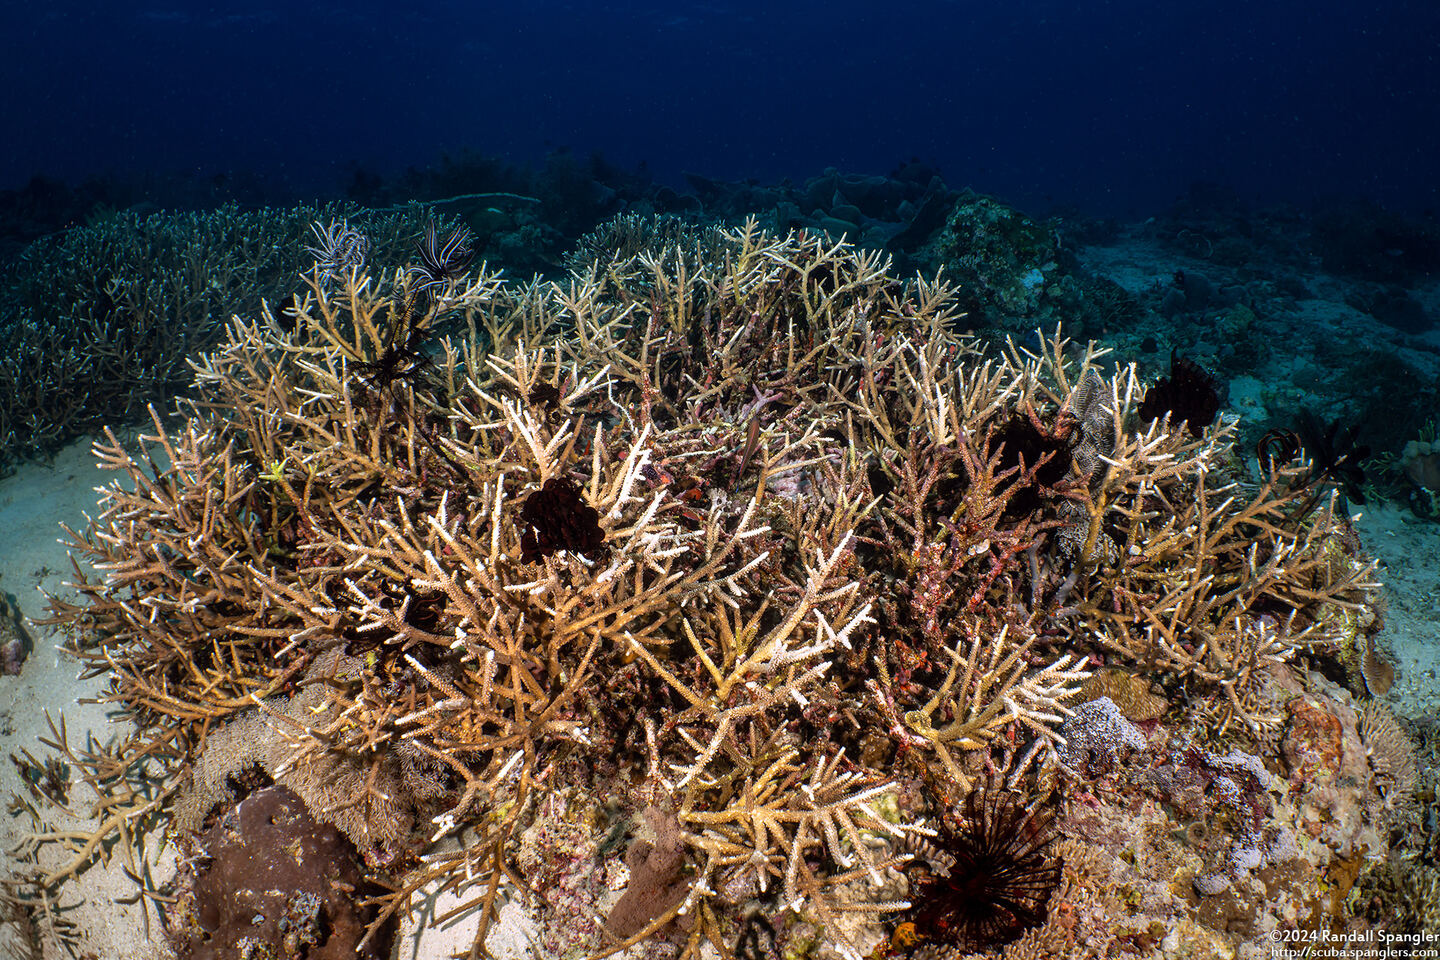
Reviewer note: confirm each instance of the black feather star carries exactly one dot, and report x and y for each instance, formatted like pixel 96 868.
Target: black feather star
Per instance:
pixel 556 517
pixel 987 877
pixel 546 396
pixel 1189 394
pixel 1334 455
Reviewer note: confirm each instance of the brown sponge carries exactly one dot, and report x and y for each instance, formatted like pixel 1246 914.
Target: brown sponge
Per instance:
pixel 656 881
pixel 276 883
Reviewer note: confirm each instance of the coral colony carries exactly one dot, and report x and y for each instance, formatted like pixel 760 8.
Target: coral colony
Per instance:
pixel 721 601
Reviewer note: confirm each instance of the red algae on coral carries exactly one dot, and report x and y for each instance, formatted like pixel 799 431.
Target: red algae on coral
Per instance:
pixel 1312 745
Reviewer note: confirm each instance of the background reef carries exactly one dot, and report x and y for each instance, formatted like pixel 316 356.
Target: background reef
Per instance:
pixel 1347 288
pixel 728 595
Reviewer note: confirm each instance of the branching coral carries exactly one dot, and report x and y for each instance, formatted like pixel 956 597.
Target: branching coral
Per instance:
pixel 742 541
pixel 1202 574
pixel 101 319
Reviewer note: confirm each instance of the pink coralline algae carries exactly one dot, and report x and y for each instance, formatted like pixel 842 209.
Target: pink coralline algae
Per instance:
pixel 1313 742
pixel 1249 852
pixel 1202 784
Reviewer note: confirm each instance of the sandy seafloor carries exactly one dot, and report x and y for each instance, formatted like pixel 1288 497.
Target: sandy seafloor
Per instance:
pixel 33 504
pixel 38 498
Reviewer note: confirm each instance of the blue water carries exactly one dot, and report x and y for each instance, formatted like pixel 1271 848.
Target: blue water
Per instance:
pixel 1113 107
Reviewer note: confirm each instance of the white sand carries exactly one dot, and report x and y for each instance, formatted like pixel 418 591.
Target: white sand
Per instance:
pixel 33 503
pixel 1408 549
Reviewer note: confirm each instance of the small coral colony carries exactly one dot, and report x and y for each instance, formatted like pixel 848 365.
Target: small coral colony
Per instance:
pixel 723 600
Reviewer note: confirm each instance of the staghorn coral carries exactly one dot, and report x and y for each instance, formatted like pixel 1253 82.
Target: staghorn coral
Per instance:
pixel 103 318
pixel 1209 578
pixel 832 567
pixel 617 242
pixel 368 797
pixel 33 924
